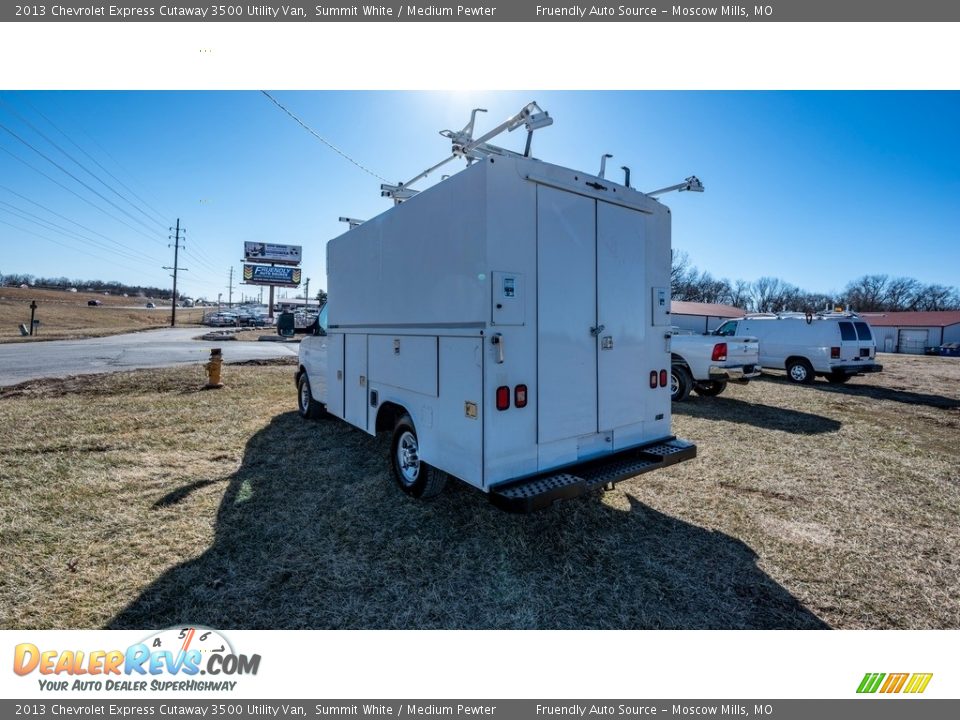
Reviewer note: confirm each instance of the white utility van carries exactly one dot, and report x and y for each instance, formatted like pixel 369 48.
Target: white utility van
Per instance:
pixel 509 326
pixel 834 345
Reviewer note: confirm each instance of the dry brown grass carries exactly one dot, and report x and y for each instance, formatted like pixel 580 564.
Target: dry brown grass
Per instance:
pixel 137 500
pixel 64 315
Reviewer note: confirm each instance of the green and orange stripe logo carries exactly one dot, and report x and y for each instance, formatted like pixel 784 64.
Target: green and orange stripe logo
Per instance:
pixel 913 683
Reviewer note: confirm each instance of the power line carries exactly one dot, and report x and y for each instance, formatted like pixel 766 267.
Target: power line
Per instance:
pixel 202 263
pixel 82 166
pixel 76 194
pixel 67 232
pixel 322 139
pixel 74 222
pixel 64 170
pixel 57 242
pixel 158 216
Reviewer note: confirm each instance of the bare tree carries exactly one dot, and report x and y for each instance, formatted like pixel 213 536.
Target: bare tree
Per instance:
pixel 937 297
pixel 866 294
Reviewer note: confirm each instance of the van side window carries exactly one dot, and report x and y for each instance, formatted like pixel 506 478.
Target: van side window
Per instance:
pixel 322 318
pixel 727 329
pixel 846 331
pixel 863 330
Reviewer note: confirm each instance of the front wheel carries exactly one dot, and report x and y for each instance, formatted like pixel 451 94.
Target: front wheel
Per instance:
pixel 415 477
pixel 306 405
pixel 710 388
pixel 800 371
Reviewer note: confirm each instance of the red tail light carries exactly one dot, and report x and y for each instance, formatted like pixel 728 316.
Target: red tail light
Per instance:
pixel 520 396
pixel 835 353
pixel 653 378
pixel 503 397
pixel 663 378
pixel 719 352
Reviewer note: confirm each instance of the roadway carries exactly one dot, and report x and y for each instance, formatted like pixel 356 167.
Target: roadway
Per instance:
pixel 24 361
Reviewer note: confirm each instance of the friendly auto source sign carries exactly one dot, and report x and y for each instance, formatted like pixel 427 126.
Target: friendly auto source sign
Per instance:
pixel 269 275
pixel 265 252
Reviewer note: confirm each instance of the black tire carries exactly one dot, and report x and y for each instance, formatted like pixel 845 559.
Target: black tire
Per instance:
pixel 799 371
pixel 838 378
pixel 306 405
pixel 415 477
pixel 710 388
pixel 680 383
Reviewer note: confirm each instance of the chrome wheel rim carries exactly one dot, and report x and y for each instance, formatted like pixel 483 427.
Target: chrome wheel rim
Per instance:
pixel 674 385
pixel 408 457
pixel 798 373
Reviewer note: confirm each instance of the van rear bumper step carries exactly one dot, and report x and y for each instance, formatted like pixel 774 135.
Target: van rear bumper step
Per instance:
pixel 541 491
pixel 857 369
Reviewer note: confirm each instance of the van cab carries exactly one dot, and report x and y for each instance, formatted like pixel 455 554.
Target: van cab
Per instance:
pixel 836 346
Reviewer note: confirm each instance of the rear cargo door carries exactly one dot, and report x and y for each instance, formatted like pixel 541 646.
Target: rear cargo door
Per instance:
pixel 849 345
pixel 566 312
pixel 592 310
pixel 622 315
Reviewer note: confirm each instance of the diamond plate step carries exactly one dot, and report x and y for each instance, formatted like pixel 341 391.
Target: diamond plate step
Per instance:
pixel 541 491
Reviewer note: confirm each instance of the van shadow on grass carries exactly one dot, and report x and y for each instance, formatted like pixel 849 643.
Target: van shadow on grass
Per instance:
pixel 759 415
pixel 312 533
pixel 875 392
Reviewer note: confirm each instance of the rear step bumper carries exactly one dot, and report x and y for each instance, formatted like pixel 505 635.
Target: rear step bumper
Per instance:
pixel 541 491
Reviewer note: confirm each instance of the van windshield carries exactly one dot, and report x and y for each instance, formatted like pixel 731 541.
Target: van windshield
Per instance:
pixel 863 331
pixel 729 328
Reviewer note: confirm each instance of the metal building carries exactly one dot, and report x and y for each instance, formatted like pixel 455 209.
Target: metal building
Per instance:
pixel 701 317
pixel 913 332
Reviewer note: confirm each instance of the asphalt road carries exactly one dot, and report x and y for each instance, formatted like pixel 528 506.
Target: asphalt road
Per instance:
pixel 20 362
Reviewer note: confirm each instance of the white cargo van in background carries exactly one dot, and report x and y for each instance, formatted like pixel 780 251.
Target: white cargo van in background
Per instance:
pixel 833 345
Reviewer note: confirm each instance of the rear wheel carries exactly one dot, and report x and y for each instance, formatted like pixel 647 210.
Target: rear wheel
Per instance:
pixel 415 477
pixel 838 378
pixel 799 371
pixel 680 383
pixel 306 405
pixel 710 388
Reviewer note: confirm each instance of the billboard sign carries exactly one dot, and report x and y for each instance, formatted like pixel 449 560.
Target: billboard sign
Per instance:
pixel 269 275
pixel 270 253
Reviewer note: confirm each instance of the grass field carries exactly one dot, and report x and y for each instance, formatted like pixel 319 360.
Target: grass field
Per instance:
pixel 64 315
pixel 136 500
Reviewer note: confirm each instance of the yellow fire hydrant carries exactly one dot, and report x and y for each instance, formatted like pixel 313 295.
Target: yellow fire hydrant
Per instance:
pixel 213 369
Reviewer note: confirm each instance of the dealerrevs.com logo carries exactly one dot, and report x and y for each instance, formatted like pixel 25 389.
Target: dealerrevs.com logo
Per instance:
pixel 172 659
pixel 910 683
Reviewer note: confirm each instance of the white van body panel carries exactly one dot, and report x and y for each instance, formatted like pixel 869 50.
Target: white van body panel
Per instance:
pixel 512 273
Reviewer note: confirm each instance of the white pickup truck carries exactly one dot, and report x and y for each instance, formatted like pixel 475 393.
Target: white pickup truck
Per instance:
pixel 705 363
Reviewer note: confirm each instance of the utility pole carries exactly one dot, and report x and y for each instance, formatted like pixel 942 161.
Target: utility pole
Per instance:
pixel 306 294
pixel 230 296
pixel 176 268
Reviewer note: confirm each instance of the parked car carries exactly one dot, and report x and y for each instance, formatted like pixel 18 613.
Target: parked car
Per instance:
pixel 950 349
pixel 150 305
pixel 221 319
pixel 836 346
pixel 705 364
pixel 94 303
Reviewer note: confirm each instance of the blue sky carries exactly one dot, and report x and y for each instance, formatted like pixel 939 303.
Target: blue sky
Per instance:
pixel 817 188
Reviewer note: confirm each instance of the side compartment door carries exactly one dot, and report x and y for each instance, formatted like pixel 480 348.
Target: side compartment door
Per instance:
pixel 355 380
pixel 566 314
pixel 335 374
pixel 623 313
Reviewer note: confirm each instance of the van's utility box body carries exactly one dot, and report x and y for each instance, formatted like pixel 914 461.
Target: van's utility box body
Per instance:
pixel 518 312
